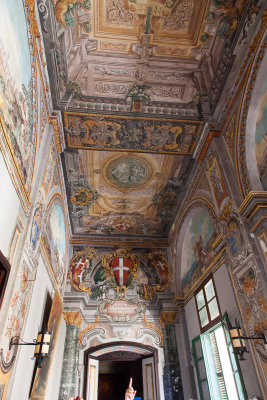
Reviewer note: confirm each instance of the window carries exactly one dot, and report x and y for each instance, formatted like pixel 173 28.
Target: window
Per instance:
pixel 207 305
pixel 218 371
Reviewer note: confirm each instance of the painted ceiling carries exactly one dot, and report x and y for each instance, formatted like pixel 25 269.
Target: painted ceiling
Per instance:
pixel 135 81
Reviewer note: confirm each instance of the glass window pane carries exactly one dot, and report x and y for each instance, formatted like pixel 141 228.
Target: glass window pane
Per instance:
pixel 209 290
pixel 200 299
pixel 203 315
pixel 205 390
pixel 213 309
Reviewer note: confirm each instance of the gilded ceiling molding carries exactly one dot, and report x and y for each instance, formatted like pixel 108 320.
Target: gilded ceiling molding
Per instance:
pixel 212 133
pixel 256 226
pixel 41 63
pixel 73 318
pixel 133 242
pixel 257 51
pixel 253 46
pixel 55 124
pixel 253 195
pixel 229 135
pixel 30 5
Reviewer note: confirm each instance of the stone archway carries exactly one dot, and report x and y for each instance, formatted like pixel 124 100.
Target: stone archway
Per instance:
pixel 117 356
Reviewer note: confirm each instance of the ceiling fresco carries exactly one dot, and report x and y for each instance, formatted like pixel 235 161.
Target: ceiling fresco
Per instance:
pixel 135 80
pixel 97 51
pixel 123 193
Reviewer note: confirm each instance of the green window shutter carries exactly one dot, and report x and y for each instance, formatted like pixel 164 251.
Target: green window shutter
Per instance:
pixel 200 369
pixel 234 360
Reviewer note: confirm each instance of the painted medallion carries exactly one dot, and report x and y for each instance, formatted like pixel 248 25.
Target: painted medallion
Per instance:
pixel 128 172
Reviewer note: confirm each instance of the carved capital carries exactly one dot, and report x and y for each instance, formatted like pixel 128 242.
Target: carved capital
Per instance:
pixel 73 318
pixel 167 317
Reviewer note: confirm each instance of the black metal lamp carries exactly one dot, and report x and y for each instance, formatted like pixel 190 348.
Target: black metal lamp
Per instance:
pixel 238 339
pixel 42 345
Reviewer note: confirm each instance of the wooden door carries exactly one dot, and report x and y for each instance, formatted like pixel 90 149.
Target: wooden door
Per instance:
pixel 148 371
pixel 92 380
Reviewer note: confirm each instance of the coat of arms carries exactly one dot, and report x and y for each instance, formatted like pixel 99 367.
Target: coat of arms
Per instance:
pixel 80 265
pixel 121 267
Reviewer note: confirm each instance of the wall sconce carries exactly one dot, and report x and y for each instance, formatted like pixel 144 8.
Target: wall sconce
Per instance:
pixel 238 339
pixel 42 345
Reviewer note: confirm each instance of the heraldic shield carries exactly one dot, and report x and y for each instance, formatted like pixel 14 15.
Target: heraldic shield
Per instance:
pixel 80 265
pixel 121 265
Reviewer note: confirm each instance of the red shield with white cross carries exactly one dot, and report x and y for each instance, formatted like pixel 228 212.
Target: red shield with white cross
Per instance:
pixel 121 268
pixel 78 270
pixel 162 269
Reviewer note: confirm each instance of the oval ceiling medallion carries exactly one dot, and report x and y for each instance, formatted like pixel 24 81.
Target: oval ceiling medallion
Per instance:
pixel 128 172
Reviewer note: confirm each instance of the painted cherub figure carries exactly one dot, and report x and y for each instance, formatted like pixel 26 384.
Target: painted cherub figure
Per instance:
pixel 130 393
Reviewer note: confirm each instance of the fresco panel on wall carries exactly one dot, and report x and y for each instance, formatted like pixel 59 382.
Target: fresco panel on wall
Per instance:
pixel 17 92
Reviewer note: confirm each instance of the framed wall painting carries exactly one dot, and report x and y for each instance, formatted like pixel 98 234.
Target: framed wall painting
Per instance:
pixel 41 376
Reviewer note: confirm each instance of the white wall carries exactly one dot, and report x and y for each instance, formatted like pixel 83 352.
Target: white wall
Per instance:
pixel 9 206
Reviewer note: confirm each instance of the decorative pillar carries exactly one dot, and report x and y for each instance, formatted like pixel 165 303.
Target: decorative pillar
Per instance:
pixel 172 379
pixel 70 357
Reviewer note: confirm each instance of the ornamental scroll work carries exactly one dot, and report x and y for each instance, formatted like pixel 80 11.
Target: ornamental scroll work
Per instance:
pixel 117 133
pixel 119 271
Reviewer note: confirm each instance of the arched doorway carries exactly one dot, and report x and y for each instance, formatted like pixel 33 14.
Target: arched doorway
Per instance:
pixel 109 367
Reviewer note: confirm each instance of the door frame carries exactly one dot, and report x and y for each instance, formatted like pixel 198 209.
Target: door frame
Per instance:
pixel 88 354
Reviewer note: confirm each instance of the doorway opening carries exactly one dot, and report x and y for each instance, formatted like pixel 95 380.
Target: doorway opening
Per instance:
pixel 109 367
pixel 113 379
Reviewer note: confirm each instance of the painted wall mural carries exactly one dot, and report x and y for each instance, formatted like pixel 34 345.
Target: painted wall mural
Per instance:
pixel 55 242
pixel 261 138
pixel 197 252
pixel 17 93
